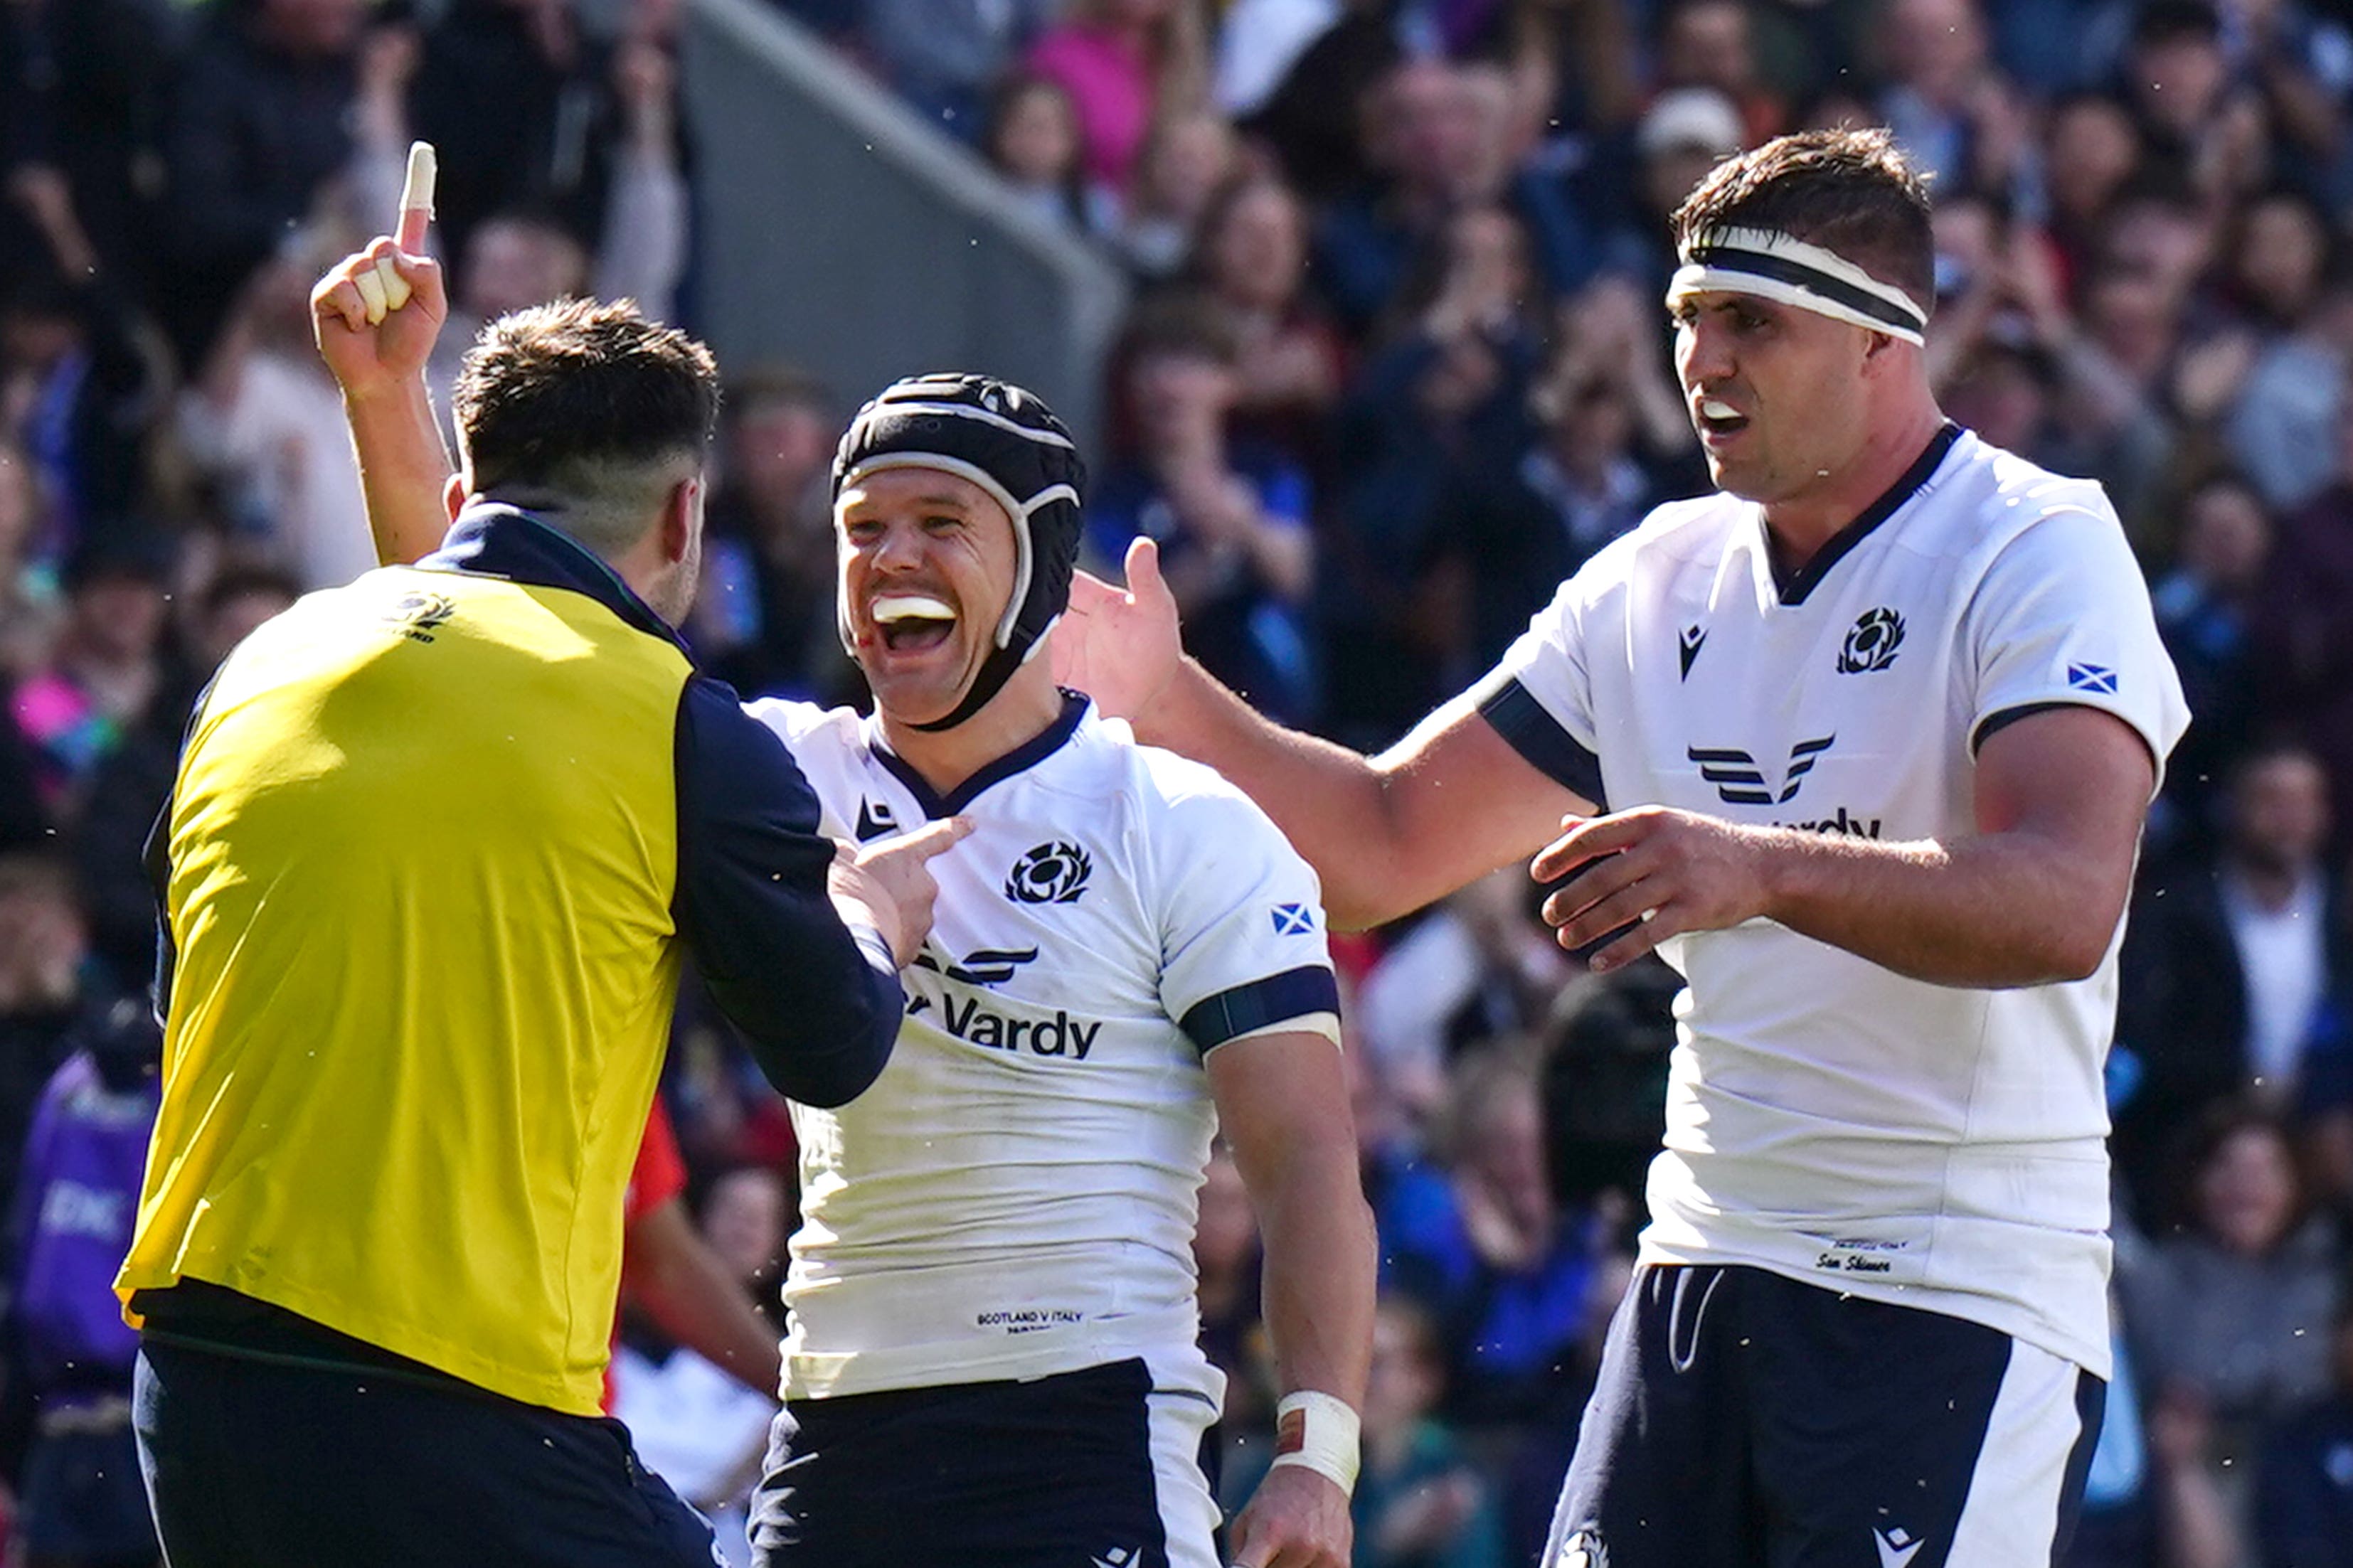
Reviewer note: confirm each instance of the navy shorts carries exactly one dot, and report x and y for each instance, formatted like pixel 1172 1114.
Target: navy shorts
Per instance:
pixel 252 1464
pixel 1088 1467
pixel 1746 1420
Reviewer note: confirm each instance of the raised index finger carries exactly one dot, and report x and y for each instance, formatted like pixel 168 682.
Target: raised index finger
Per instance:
pixel 416 196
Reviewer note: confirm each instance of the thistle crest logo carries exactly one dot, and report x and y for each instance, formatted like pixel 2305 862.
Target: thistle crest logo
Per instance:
pixel 417 613
pixel 1871 642
pixel 1053 873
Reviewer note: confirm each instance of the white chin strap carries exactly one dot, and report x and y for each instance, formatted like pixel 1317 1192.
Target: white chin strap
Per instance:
pixel 1778 266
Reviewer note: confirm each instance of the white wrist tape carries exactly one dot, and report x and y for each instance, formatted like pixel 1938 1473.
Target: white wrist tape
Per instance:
pixel 1320 1432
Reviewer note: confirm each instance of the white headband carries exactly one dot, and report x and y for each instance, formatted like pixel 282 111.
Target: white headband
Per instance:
pixel 1778 266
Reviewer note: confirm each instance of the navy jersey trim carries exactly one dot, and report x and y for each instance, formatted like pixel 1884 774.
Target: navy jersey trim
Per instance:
pixel 1808 577
pixel 1020 759
pixel 1293 993
pixel 492 540
pixel 1998 721
pixel 1537 736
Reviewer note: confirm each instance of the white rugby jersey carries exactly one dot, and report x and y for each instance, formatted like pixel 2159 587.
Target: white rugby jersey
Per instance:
pixel 1015 1194
pixel 1827 1118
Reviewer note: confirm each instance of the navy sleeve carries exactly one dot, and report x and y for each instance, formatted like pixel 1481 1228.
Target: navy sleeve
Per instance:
pixel 819 1003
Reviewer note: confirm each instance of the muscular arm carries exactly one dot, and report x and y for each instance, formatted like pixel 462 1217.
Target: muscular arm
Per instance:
pixel 680 1282
pixel 1282 1101
pixel 1441 808
pixel 2031 897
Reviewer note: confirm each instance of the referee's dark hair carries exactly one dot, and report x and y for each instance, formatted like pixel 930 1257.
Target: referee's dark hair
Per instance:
pixel 1852 191
pixel 589 406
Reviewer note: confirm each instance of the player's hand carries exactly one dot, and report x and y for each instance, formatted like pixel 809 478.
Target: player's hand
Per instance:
pixel 890 885
pixel 1660 871
pixel 1120 646
pixel 1297 1519
pixel 371 357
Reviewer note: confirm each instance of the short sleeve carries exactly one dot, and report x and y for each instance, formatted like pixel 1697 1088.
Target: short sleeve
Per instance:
pixel 1243 945
pixel 2062 618
pixel 1539 697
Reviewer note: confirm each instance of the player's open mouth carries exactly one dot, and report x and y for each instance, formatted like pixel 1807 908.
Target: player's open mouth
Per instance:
pixel 912 623
pixel 1717 418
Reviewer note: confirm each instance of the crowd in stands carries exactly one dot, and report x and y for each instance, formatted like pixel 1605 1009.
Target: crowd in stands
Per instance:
pixel 1395 366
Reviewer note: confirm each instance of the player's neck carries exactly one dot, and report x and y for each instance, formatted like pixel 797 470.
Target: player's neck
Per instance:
pixel 1801 525
pixel 1025 708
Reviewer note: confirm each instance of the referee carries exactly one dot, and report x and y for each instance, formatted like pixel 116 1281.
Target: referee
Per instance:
pixel 438 842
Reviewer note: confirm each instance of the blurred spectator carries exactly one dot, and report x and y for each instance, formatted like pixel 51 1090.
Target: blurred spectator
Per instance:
pixel 2205 607
pixel 83 1504
pixel 83 372
pixel 129 788
pixel 695 1423
pixel 104 669
pixel 1443 139
pixel 1713 44
pixel 1483 1243
pixel 1613 440
pixel 763 619
pixel 87 83
pixel 2273 268
pixel 1123 62
pixel 1258 41
pixel 2178 82
pixel 520 100
pixel 2303 657
pixel 1032 140
pixel 1476 967
pixel 944 57
pixel 2304 1484
pixel 1419 1502
pixel 267 418
pixel 42 946
pixel 1953 115
pixel 1187 158
pixel 1231 518
pixel 1446 395
pixel 2231 1315
pixel 259 127
pixel 30 609
pixel 1683 134
pixel 1225 1261
pixel 1289 361
pixel 2091 149
pixel 2226 963
pixel 2283 427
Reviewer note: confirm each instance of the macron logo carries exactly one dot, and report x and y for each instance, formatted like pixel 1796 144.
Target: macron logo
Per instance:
pixel 2091 678
pixel 1898 1547
pixel 1294 919
pixel 1688 643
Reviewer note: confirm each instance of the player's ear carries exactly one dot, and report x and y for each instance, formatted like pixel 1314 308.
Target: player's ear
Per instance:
pixel 682 519
pixel 453 495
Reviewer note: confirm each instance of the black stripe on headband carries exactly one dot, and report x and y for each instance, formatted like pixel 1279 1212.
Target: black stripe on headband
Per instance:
pixel 1782 270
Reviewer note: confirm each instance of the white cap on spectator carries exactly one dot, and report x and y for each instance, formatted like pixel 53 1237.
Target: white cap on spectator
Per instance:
pixel 1690 116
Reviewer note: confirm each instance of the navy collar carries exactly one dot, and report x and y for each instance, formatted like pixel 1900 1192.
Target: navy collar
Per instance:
pixel 1807 578
pixel 490 539
pixel 1022 758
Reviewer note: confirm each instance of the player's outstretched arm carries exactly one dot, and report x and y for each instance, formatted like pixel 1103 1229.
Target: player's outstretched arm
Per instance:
pixel 1444 807
pixel 668 1269
pixel 2031 899
pixel 1282 1102
pixel 376 316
